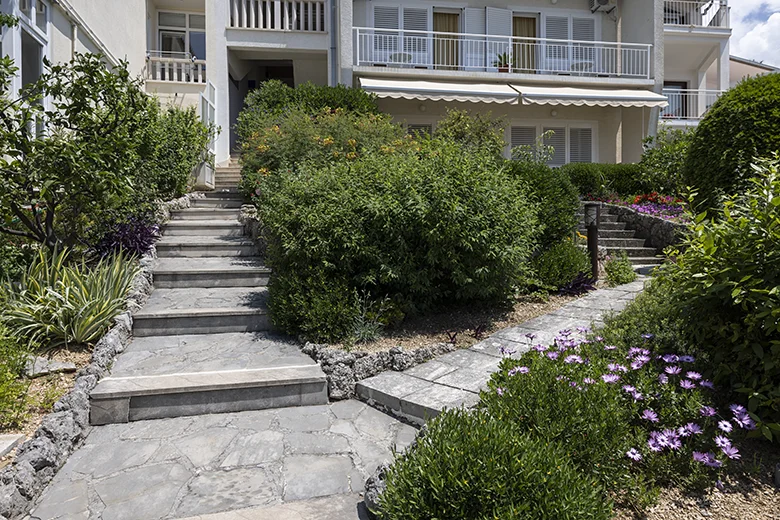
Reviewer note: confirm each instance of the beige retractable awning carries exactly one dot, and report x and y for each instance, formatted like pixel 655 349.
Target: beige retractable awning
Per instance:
pixel 439 91
pixel 589 97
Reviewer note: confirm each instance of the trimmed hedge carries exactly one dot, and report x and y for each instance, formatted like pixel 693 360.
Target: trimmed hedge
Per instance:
pixel 742 125
pixel 593 178
pixel 273 96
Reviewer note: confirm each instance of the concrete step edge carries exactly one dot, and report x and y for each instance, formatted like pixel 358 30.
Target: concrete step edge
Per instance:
pixel 199 313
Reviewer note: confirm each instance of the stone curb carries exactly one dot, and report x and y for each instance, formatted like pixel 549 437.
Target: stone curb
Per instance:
pixel 63 431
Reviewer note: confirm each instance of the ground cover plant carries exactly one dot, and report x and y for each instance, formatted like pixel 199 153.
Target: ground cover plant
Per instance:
pixel 557 266
pixel 654 204
pixel 12 387
pixel 744 123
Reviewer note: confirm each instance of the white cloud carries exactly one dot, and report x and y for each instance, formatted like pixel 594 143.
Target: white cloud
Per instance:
pixel 756 30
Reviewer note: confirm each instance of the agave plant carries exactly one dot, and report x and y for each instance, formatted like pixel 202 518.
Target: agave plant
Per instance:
pixel 57 304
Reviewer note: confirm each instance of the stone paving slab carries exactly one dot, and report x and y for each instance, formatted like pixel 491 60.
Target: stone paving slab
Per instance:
pixel 9 442
pixel 335 507
pixel 199 298
pixel 190 467
pixel 209 264
pixel 456 378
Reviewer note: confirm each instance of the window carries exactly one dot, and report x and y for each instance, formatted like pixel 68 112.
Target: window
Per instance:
pixel 571 143
pixel 573 54
pixel 395 46
pixel 182 33
pixel 419 128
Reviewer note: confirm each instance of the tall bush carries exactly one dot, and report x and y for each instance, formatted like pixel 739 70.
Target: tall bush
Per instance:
pixel 473 131
pixel 725 285
pixel 593 178
pixel 273 97
pixel 663 160
pixel 420 227
pixel 743 124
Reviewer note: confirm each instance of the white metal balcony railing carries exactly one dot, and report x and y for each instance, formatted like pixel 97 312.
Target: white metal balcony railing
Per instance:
pixel 278 15
pixel 489 53
pixel 688 104
pixel 707 13
pixel 175 67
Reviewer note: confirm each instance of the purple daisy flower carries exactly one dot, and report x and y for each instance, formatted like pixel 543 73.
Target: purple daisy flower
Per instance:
pixel 731 452
pixel 745 422
pixel 614 367
pixel 583 330
pixel 670 358
pixel 737 409
pixel 610 347
pixel 553 355
pixel 599 339
pixel 539 348
pixel 650 415
pixel 610 378
pixel 565 332
pixel 707 384
pixel 648 336
pixel 663 379
pixel 722 441
pixel 637 365
pixel 707 411
pixel 654 445
pixel 672 370
pixel 699 456
pixel 506 351
pixel 531 336
pixel 712 461
pixel 634 455
pixel 637 396
pixel 500 391
pixel 687 385
pixel 518 370
pixel 573 359
pixel 687 359
pixel 589 381
pixel 725 426
pixel 695 376
pixel 629 388
pixel 690 429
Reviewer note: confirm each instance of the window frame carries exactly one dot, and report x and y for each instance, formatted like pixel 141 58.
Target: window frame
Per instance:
pixel 186 30
pixel 540 124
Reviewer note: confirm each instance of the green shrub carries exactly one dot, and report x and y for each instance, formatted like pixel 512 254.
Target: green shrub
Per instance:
pixel 663 160
pixel 417 227
pixel 619 269
pixel 15 255
pixel 273 96
pixel 56 304
pixel 601 179
pixel 12 386
pixel 560 264
pixel 557 199
pixel 743 124
pixel 469 465
pixel 282 142
pixel 725 285
pixel 473 131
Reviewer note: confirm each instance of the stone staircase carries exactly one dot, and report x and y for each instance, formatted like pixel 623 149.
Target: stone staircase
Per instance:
pixel 226 178
pixel 616 236
pixel 202 343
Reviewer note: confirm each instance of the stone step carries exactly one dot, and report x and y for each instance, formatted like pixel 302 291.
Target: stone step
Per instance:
pixel 206 214
pixel 228 169
pixel 171 312
pixel 212 228
pixel 171 376
pixel 622 243
pixel 639 252
pixel 617 233
pixel 224 193
pixel 639 261
pixel 615 226
pixel 217 203
pixel 198 246
pixel 173 273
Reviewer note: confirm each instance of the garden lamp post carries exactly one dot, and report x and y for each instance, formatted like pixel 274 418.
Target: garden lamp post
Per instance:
pixel 592 214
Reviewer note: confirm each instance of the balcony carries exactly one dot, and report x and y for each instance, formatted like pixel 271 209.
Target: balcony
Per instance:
pixel 687 105
pixel 703 14
pixel 175 67
pixel 500 54
pixel 279 15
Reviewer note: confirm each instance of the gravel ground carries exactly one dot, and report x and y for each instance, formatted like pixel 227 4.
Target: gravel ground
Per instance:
pixel 748 492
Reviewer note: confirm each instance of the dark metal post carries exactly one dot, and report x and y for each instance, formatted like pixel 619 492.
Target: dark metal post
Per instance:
pixel 592 217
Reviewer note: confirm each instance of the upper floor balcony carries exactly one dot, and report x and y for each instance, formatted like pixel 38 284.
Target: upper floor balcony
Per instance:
pixel 485 53
pixel 688 106
pixel 174 67
pixel 279 15
pixel 701 14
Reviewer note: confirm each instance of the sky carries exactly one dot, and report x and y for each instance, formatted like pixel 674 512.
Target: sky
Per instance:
pixel 756 25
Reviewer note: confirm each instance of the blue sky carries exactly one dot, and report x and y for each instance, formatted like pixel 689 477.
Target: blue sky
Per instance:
pixel 756 26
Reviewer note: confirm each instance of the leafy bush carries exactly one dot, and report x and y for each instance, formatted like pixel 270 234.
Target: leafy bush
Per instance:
pixel 417 227
pixel 273 96
pixel 56 304
pixel 557 199
pixel 619 269
pixel 743 124
pixel 663 160
pixel 12 386
pixel 623 179
pixel 473 131
pixel 629 417
pixel 469 465
pixel 14 258
pixel 134 237
pixel 560 264
pixel 283 142
pixel 725 286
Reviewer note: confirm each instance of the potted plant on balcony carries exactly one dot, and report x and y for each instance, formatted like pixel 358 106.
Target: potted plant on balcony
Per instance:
pixel 502 61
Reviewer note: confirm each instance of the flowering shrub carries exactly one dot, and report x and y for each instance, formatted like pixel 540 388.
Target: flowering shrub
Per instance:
pixel 633 417
pixel 661 206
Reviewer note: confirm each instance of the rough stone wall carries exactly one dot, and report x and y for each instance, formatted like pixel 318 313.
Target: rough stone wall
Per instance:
pixel 252 227
pixel 62 431
pixel 659 232
pixel 344 369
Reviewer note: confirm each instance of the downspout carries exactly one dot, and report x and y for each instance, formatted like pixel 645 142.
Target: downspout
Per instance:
pixel 334 66
pixel 74 31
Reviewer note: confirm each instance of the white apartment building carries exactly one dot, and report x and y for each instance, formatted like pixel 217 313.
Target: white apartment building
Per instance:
pixel 600 73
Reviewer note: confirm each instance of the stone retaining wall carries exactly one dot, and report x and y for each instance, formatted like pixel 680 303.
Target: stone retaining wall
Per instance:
pixel 253 227
pixel 345 369
pixel 62 432
pixel 659 232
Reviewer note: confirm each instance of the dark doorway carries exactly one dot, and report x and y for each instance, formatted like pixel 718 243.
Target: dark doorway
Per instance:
pixel 677 93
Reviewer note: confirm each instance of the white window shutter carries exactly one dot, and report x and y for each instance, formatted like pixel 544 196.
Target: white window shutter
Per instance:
pixel 580 145
pixel 523 136
pixel 556 53
pixel 386 17
pixel 556 27
pixel 583 54
pixel 416 19
pixel 386 44
pixel 499 23
pixel 474 49
pixel 558 142
pixel 583 29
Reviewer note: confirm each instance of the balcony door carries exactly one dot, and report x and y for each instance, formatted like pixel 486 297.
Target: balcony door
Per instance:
pixel 446 53
pixel 524 44
pixel 676 92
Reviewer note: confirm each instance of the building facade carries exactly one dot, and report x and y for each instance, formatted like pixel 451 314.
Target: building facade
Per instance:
pixel 600 73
